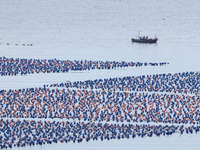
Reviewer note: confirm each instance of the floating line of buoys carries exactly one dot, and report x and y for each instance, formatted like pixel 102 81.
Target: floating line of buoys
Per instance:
pixel 20 133
pixel 107 103
pixel 86 105
pixel 16 44
pixel 13 67
pixel 182 83
pixel 101 106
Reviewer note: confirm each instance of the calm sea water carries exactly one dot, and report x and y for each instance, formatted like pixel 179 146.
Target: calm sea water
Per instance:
pixel 102 30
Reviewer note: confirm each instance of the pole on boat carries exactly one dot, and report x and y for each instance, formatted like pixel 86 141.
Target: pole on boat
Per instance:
pixel 138 34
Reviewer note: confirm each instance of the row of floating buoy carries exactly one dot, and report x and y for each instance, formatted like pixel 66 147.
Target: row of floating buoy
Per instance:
pixel 16 44
pixel 161 98
pixel 13 67
pixel 19 133
pixel 100 105
pixel 182 83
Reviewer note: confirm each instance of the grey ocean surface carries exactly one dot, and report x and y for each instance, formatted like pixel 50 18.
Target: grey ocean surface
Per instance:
pixel 102 30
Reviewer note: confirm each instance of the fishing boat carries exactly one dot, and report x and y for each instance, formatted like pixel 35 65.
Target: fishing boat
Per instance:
pixel 145 40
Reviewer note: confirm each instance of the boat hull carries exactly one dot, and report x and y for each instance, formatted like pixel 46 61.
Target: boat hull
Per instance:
pixel 149 41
